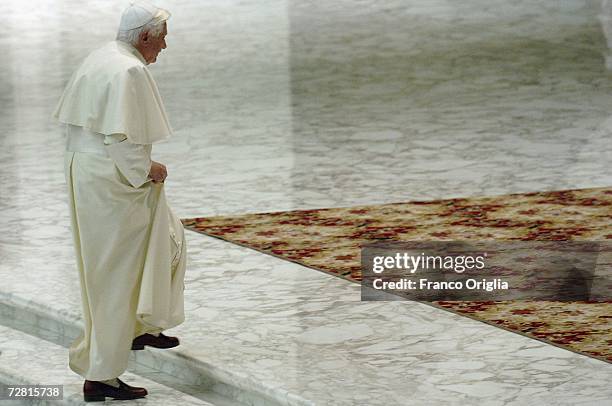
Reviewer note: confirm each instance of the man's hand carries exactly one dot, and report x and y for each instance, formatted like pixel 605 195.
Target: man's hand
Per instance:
pixel 158 172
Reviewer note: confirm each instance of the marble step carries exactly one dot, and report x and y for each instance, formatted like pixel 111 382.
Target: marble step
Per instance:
pixel 29 360
pixel 171 368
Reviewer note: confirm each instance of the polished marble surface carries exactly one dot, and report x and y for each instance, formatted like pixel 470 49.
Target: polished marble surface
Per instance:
pixel 282 105
pixel 50 369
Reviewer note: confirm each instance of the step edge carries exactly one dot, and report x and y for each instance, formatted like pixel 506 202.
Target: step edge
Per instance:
pixel 242 383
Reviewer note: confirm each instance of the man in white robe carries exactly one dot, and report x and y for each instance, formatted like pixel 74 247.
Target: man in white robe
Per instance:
pixel 130 247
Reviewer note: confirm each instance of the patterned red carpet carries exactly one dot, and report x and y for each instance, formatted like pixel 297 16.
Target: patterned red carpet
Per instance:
pixel 329 240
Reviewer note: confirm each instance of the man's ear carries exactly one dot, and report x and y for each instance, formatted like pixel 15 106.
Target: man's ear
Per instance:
pixel 144 36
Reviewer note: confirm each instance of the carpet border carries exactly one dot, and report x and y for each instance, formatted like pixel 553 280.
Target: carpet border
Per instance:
pixel 431 304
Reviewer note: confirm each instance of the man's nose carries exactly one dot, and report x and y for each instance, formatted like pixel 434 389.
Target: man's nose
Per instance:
pixel 164 45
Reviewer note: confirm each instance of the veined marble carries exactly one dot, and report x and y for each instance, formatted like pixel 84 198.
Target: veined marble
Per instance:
pixel 47 366
pixel 280 105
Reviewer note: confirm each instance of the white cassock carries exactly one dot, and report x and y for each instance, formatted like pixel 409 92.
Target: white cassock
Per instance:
pixel 130 247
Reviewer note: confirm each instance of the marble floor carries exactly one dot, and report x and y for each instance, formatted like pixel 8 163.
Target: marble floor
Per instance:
pixel 282 105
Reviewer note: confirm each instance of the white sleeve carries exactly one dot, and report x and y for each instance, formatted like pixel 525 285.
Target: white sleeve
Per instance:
pixel 133 160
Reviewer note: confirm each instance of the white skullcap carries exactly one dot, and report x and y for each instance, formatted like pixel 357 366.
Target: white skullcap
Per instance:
pixel 137 14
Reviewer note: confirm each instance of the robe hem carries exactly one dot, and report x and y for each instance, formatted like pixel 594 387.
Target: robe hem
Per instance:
pixel 94 377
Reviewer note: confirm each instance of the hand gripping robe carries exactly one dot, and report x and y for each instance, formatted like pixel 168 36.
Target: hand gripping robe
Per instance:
pixel 130 247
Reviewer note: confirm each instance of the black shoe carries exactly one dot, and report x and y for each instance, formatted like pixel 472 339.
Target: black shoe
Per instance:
pixel 158 342
pixel 94 391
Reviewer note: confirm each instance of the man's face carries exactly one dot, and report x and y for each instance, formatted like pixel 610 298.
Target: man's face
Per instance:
pixel 150 45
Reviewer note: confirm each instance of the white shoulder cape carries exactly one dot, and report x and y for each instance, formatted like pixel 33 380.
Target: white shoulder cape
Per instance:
pixel 113 92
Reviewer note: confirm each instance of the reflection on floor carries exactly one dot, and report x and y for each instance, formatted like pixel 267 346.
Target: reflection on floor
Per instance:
pixel 285 105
